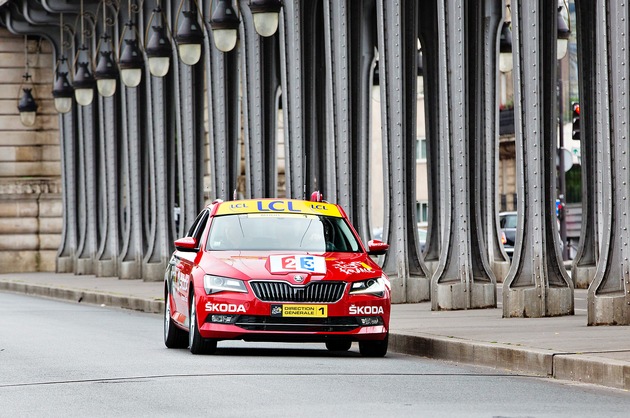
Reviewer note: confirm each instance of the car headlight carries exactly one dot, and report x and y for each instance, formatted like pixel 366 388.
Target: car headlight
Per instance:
pixel 215 284
pixel 374 287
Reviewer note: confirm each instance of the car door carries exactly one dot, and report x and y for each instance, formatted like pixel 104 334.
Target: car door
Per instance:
pixel 183 266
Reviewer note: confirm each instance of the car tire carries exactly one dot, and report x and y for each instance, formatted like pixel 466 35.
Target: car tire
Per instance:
pixel 196 343
pixel 374 348
pixel 338 345
pixel 174 337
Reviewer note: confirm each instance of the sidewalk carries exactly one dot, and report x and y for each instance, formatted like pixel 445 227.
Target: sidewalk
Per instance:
pixel 562 347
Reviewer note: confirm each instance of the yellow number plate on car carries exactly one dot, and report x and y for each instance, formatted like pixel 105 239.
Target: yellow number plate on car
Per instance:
pixel 300 311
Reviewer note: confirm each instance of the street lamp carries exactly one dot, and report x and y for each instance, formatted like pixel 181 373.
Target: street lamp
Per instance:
pixel 84 81
pixel 105 72
pixel 158 47
pixel 130 61
pixel 224 25
pixel 27 105
pixel 83 84
pixel 189 35
pixel 266 14
pixel 62 92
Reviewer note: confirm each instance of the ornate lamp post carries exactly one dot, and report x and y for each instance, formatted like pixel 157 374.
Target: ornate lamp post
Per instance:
pixel 189 34
pixel 224 25
pixel 266 14
pixel 158 48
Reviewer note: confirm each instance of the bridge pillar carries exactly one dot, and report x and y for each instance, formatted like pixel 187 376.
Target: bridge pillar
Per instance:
pixel 68 245
pixel 609 293
pixel 397 45
pixel 483 130
pixel 132 250
pixel 585 261
pixel 463 279
pixel 537 284
pixel 349 39
pixel 428 35
pixel 292 93
pixel 108 186
pixel 86 189
pixel 259 62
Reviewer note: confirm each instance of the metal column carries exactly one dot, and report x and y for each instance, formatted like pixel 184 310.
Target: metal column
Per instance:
pixel 292 100
pixel 609 293
pixel 585 261
pixel 397 44
pixel 222 78
pixel 537 284
pixel 484 99
pixel 429 41
pixel 258 57
pixel 463 278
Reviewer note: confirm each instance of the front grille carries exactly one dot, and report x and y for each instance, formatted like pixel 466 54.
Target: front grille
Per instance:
pixel 314 292
pixel 269 323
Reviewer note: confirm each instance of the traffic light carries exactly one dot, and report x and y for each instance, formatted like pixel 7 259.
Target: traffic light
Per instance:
pixel 576 121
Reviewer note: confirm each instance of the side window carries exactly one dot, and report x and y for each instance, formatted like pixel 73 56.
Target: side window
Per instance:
pixel 198 226
pixel 201 225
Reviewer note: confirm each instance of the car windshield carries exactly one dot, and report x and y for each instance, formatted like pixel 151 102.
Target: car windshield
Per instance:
pixel 281 232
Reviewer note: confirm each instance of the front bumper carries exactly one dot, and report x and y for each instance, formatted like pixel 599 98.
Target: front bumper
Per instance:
pixel 231 316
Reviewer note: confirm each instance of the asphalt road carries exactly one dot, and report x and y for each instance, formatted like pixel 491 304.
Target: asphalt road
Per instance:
pixel 65 359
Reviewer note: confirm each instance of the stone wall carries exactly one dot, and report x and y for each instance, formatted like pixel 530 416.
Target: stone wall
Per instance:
pixel 30 168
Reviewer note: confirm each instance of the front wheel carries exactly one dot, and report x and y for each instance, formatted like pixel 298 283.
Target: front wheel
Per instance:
pixel 374 348
pixel 196 343
pixel 174 337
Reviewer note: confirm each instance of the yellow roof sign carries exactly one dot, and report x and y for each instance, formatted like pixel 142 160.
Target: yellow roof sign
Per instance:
pixel 302 207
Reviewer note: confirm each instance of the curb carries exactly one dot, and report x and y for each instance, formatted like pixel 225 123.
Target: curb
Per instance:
pixel 577 367
pixel 587 368
pixel 86 296
pixel 498 356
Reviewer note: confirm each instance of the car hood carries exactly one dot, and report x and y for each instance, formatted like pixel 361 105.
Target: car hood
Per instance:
pixel 246 265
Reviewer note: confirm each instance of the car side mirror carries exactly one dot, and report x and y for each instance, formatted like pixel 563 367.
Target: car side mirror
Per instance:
pixel 186 244
pixel 376 247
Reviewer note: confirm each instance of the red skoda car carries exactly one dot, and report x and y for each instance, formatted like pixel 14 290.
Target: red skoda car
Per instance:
pixel 276 270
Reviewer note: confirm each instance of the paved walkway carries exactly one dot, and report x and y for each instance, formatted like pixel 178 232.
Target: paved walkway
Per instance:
pixel 561 347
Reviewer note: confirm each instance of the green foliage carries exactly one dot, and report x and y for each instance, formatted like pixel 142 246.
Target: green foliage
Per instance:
pixel 573 184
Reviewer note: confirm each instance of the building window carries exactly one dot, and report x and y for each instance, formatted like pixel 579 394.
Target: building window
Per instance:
pixel 421 150
pixel 422 211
